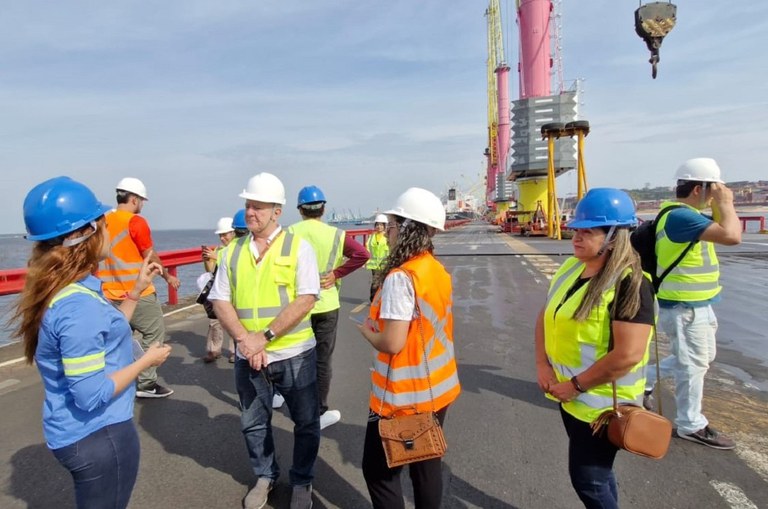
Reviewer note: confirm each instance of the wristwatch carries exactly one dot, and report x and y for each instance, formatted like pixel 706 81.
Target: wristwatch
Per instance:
pixel 269 334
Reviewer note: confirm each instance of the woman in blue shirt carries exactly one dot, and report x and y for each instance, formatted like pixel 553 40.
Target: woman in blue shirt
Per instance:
pixel 81 343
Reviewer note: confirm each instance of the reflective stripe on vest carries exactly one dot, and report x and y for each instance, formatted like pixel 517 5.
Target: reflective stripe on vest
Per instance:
pixel 118 272
pixel 328 244
pixel 74 366
pixel 260 292
pixel 696 277
pixel 379 250
pixel 402 380
pixel 573 347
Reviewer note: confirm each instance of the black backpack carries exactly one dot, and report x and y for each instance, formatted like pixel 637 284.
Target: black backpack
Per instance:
pixel 203 297
pixel 643 239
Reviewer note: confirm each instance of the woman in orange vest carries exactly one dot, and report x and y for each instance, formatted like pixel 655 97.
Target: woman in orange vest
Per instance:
pixel 411 327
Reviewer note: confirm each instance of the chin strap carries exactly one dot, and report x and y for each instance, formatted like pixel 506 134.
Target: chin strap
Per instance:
pixel 608 239
pixel 81 239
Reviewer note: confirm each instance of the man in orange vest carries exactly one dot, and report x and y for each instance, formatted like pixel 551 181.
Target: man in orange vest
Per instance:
pixel 131 242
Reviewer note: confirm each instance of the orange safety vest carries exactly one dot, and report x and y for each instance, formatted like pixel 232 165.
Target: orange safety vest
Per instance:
pixel 402 379
pixel 118 272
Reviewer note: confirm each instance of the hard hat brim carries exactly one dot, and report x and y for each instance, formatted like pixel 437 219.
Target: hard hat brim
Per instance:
pixel 261 198
pixel 404 214
pixel 583 224
pixel 220 232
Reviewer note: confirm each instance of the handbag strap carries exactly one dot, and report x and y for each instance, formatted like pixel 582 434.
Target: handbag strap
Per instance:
pixel 419 316
pixel 654 338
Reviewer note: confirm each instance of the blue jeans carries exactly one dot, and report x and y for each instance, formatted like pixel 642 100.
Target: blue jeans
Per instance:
pixel 296 380
pixel 590 464
pixel 691 332
pixel 103 465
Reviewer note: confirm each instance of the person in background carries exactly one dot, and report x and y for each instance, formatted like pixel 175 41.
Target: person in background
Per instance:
pixel 338 255
pixel 239 224
pixel 597 297
pixel 130 242
pixel 687 293
pixel 265 287
pixel 215 339
pixel 412 309
pixel 81 344
pixel 378 247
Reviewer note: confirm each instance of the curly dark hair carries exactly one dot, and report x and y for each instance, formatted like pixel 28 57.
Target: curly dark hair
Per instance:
pixel 413 238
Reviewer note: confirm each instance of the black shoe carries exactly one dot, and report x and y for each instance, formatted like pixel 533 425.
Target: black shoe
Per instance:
pixel 648 402
pixel 154 391
pixel 710 437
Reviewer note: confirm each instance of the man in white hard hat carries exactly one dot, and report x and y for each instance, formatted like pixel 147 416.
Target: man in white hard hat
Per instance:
pixel 131 242
pixel 687 293
pixel 266 285
pixel 378 246
pixel 338 255
pixel 215 339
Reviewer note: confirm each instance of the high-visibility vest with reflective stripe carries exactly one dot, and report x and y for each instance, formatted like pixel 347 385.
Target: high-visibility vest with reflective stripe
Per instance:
pixel 260 292
pixel 401 379
pixel 74 366
pixel 119 270
pixel 328 244
pixel 379 249
pixel 697 276
pixel 572 347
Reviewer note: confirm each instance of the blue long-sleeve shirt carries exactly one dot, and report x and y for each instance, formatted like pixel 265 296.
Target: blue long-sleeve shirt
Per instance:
pixel 82 339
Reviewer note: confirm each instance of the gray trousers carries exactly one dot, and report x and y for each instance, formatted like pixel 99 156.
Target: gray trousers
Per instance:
pixel 148 321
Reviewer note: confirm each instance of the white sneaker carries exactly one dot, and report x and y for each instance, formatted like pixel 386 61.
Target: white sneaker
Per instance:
pixel 329 418
pixel 277 400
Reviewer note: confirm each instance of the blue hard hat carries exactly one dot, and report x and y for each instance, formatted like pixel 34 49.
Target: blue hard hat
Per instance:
pixel 604 206
pixel 238 220
pixel 310 194
pixel 59 206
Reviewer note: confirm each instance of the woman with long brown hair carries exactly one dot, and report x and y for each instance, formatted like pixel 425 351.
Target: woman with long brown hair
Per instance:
pixel 81 344
pixel 411 327
pixel 594 330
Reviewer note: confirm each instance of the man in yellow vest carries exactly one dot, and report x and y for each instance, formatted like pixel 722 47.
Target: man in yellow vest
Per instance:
pixel 266 284
pixel 131 242
pixel 687 293
pixel 378 247
pixel 332 246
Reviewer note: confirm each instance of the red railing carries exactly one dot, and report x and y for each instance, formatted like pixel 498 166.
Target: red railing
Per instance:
pixel 12 280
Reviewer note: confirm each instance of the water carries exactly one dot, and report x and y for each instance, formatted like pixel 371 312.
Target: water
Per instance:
pixel 14 252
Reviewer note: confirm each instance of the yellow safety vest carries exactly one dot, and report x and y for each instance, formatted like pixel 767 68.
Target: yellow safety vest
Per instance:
pixel 696 277
pixel 260 292
pixel 379 249
pixel 572 347
pixel 328 244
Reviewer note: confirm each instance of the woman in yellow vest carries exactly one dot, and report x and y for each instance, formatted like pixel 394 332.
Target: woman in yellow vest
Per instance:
pixel 411 327
pixel 81 344
pixel 378 247
pixel 598 295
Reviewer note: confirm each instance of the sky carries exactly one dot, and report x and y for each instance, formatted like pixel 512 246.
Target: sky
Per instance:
pixel 363 99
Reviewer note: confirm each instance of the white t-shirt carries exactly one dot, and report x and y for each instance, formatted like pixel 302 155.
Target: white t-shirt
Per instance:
pixel 307 283
pixel 398 299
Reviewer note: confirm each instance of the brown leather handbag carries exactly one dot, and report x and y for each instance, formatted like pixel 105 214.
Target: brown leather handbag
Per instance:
pixel 411 438
pixel 635 429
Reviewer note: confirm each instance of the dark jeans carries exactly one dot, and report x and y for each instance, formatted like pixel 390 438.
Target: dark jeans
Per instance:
pixel 384 482
pixel 296 380
pixel 103 465
pixel 324 326
pixel 590 464
pixel 374 286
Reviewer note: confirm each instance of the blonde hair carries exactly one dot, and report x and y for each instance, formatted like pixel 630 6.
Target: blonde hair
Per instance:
pixel 621 256
pixel 50 268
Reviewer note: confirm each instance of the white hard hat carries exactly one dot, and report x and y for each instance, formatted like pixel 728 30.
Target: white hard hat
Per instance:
pixel 700 169
pixel 264 187
pixel 133 185
pixel 421 206
pixel 380 218
pixel 224 225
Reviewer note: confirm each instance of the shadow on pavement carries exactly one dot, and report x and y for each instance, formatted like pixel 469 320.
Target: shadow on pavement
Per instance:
pixel 475 377
pixel 458 493
pixel 39 480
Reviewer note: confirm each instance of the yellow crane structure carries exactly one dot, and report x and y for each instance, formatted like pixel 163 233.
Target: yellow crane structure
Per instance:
pixel 495 59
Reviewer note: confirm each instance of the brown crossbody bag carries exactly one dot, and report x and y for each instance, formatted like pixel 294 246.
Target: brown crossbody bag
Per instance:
pixel 411 438
pixel 632 427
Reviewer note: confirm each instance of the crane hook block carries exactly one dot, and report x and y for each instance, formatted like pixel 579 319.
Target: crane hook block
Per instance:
pixel 653 22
